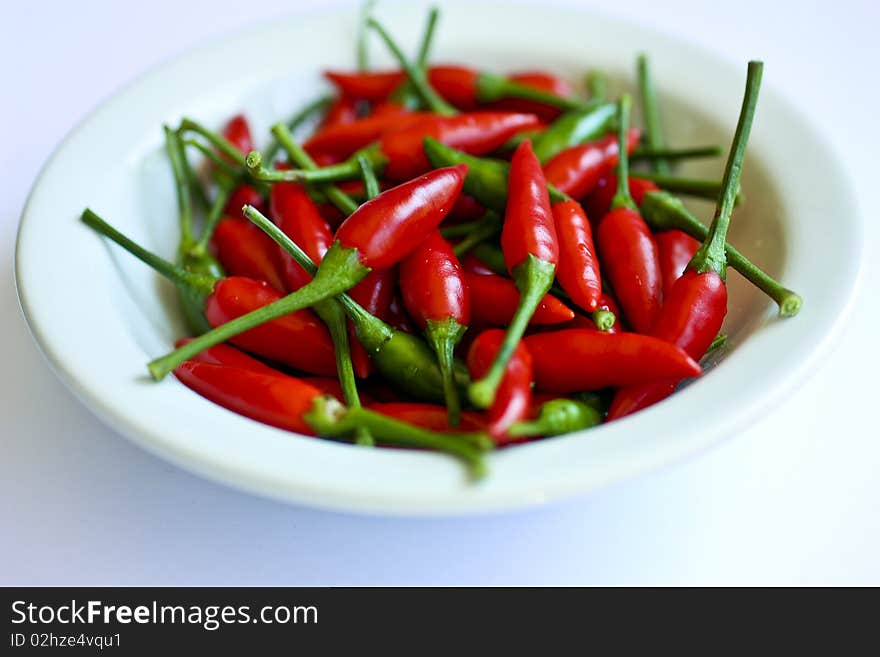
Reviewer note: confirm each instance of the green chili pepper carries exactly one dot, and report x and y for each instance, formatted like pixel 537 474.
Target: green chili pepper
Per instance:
pixel 556 417
pixel 574 128
pixel 663 211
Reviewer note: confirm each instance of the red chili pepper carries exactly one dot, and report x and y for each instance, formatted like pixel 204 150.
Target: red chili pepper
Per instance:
pixel 245 250
pixel 298 339
pixel 378 235
pixel 274 399
pixel 542 81
pixel 428 416
pixel 437 298
pixel 494 300
pixel 386 229
pixel 582 359
pixel 476 133
pixel 576 170
pixel 330 386
pixel 531 252
pixel 342 111
pixel 341 140
pixel 697 304
pixel 598 203
pixel 514 396
pixel 297 216
pixel 238 132
pixel 373 86
pixel 241 196
pixel 629 254
pixel 675 249
pixel 224 354
pixel 578 270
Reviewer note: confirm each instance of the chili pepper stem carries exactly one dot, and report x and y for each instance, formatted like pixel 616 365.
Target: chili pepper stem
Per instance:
pixel 443 336
pixel 371 183
pixel 533 278
pixel 181 185
pixel 696 187
pixel 329 418
pixel 597 86
pixel 340 270
pixel 603 319
pixel 654 155
pixel 348 170
pixel 651 110
pixel 622 198
pixel 303 160
pixel 177 275
pixel 363 46
pixel 215 213
pixel 416 76
pixel 556 417
pixel 216 140
pixel 664 211
pixel 492 87
pixel 712 255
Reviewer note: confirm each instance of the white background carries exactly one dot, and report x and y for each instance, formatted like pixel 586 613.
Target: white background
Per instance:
pixel 795 499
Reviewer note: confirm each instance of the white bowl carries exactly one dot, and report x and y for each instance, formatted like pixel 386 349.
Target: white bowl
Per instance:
pixel 99 315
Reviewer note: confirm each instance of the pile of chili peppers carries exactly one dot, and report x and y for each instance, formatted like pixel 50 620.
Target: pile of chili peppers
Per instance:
pixel 452 260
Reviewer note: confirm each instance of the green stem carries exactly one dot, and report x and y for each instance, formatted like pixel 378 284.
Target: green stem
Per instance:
pixel 363 47
pixel 339 271
pixel 622 198
pixel 697 187
pixel 427 39
pixel 664 154
pixel 303 160
pixel 214 214
pixel 443 336
pixel 371 183
pixel 488 227
pixel 298 119
pixel 417 77
pixel 230 170
pixel 533 278
pixel 651 110
pixel 217 140
pixel 597 86
pixel 177 275
pixel 712 255
pixel 492 87
pixel 556 417
pixel 347 170
pixel 663 211
pixel 603 319
pixel 329 418
pixel 181 186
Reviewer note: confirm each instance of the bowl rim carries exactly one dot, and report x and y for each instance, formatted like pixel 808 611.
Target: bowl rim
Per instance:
pixel 622 452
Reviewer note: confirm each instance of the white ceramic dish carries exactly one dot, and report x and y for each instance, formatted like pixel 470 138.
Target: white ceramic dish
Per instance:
pixel 99 315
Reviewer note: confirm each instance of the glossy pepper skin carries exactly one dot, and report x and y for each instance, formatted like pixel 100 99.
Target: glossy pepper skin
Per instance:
pixel 697 304
pixel 433 285
pixel 340 140
pixel 494 300
pixel 578 268
pixel 543 81
pixel 514 396
pixel 475 133
pixel 298 339
pixel 274 399
pixel 531 252
pixel 241 196
pixel 342 111
pixel 583 359
pixel 675 249
pixel 576 170
pixel 438 300
pixel 386 229
pixel 244 250
pixel 627 248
